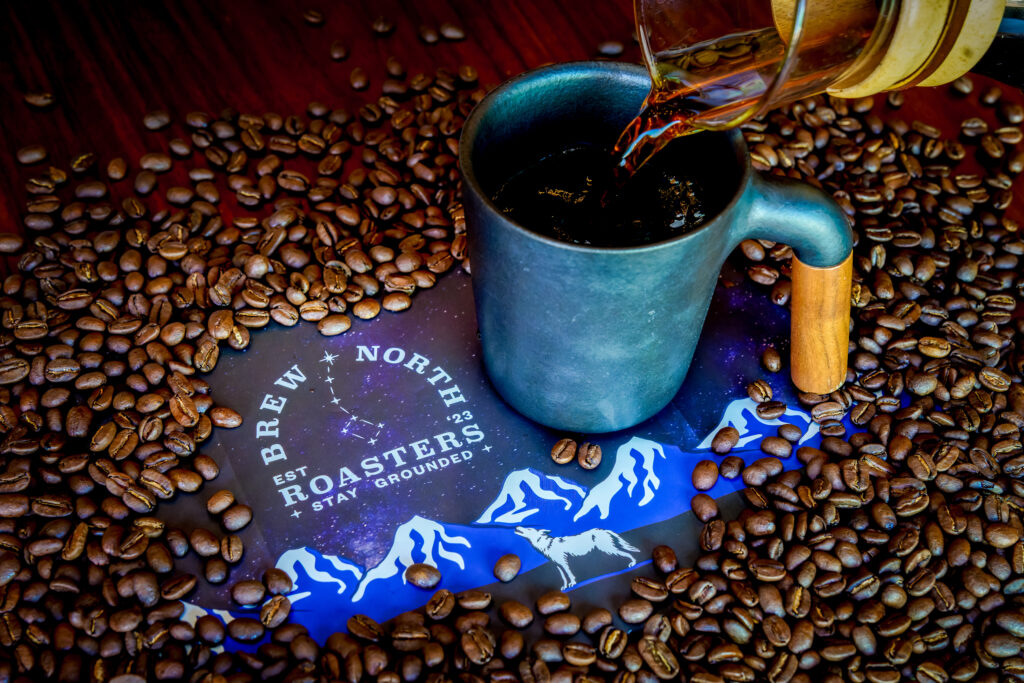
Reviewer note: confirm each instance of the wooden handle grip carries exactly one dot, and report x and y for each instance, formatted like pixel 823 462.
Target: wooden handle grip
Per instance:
pixel 820 325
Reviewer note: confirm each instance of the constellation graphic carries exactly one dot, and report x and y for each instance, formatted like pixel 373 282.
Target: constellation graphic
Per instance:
pixel 355 426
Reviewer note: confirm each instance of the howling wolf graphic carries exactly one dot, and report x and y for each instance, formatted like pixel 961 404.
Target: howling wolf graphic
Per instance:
pixel 559 549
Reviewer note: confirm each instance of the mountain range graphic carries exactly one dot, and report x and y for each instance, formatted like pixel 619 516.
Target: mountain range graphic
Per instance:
pixel 647 483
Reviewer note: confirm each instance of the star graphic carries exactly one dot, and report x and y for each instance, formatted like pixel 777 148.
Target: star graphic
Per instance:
pixel 487 448
pixel 372 441
pixel 296 514
pixel 345 430
pixel 380 425
pixel 329 380
pixel 336 400
pixel 328 358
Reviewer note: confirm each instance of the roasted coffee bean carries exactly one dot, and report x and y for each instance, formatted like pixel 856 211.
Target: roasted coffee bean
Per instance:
pixel 759 391
pixel 236 517
pixel 579 654
pixel 649 589
pixel 339 51
pixel 155 162
pixel 562 624
pixel 224 417
pixel 767 570
pixel 507 568
pixel 635 611
pixel 473 600
pixel 612 642
pixel 452 31
pixel 658 657
pixel 704 507
pixel 366 309
pixel 564 451
pixel 664 557
pixel 210 629
pixel 245 629
pixel 31 154
pixel 248 592
pixel 220 501
pixel 156 120
pixel 754 475
pixel 552 601
pixel 362 626
pixel 428 34
pixel 725 440
pixel 422 575
pixel 204 543
pixel 516 614
pixel 10 242
pixel 231 548
pixel 382 26
pixel 776 446
pixel 358 79
pixel 277 582
pixel 771 410
pixel 1012 113
pixel 478 644
pixel 440 604
pixel 333 325
pixel 730 467
pixel 589 455
pixel 771 360
pixel 9 567
pixel 275 611
pixel 117 168
pixel 1001 535
pixel 145 182
pixel 963 85
pixel 705 474
pixel 396 302
pixel 829 410
pixel 39 100
pixel 789 432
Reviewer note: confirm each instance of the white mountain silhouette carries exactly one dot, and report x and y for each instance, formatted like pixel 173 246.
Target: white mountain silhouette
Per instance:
pixel 519 485
pixel 305 558
pixel 623 475
pixel 742 414
pixel 433 543
pixel 192 612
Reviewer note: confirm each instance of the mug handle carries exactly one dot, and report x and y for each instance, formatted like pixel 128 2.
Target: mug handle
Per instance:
pixel 808 220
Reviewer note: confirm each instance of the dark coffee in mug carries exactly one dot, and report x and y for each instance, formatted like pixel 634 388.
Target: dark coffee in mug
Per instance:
pixel 575 195
pixel 585 338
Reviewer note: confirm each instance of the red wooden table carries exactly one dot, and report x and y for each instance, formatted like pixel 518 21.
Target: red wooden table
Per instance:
pixel 108 63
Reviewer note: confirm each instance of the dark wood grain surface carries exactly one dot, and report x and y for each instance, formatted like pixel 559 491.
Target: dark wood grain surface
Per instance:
pixel 108 63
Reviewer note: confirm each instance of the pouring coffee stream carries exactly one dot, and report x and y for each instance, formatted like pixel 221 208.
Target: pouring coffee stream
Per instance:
pixel 594 338
pixel 715 64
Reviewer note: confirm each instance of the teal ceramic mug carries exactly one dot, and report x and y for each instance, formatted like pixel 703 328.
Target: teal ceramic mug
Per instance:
pixel 596 339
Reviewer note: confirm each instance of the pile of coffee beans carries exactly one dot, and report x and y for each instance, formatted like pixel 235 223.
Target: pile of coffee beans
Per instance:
pixel 124 289
pixel 893 553
pixel 587 455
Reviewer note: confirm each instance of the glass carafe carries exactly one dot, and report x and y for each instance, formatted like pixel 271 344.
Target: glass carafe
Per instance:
pixel 724 61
